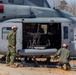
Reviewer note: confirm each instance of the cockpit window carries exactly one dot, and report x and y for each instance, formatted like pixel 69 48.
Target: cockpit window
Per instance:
pixel 65 29
pixel 11 1
pixel 5 31
pixel 1 1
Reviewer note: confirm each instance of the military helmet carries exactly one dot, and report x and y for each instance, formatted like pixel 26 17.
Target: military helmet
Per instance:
pixel 65 45
pixel 14 27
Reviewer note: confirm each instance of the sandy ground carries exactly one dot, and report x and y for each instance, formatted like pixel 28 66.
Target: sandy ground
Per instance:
pixel 5 70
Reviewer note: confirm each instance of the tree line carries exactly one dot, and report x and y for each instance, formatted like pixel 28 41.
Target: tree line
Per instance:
pixel 63 5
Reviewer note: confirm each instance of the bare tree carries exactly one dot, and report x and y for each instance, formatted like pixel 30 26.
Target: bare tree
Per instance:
pixel 63 5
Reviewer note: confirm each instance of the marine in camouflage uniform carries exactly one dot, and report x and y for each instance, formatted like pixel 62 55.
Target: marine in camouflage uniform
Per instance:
pixel 64 57
pixel 11 37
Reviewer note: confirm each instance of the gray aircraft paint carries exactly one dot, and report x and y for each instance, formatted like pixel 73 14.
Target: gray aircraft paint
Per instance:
pixel 18 14
pixel 40 3
pixel 19 11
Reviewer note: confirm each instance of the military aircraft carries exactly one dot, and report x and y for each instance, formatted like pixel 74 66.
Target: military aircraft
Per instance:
pixel 41 31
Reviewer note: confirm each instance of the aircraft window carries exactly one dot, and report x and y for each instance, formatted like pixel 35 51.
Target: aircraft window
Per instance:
pixel 1 1
pixel 30 28
pixel 19 2
pixel 5 31
pixel 11 1
pixel 44 27
pixel 65 29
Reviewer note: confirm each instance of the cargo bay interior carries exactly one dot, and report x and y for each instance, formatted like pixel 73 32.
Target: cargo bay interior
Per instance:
pixel 46 35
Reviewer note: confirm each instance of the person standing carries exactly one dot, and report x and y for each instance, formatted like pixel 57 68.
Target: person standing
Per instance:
pixel 10 56
pixel 64 57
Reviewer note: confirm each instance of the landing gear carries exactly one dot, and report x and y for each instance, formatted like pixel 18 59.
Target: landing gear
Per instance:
pixel 36 63
pixel 30 59
pixel 3 58
pixel 26 63
pixel 48 60
pixel 23 62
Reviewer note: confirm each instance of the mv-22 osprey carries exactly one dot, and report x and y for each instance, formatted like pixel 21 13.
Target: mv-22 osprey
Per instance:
pixel 41 31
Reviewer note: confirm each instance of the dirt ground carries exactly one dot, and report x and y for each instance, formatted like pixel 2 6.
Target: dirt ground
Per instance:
pixel 5 70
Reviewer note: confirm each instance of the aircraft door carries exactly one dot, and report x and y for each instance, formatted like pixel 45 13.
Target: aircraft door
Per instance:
pixel 73 42
pixel 4 30
pixel 65 33
pixel 71 38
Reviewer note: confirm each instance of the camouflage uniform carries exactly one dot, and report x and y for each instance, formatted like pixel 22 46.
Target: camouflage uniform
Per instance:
pixel 11 51
pixel 64 55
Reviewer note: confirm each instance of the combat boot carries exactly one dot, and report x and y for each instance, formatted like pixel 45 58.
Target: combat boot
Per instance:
pixel 7 64
pixel 13 66
pixel 65 67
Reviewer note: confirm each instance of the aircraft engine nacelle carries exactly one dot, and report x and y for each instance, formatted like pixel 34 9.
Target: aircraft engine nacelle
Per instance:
pixel 14 11
pixel 8 11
